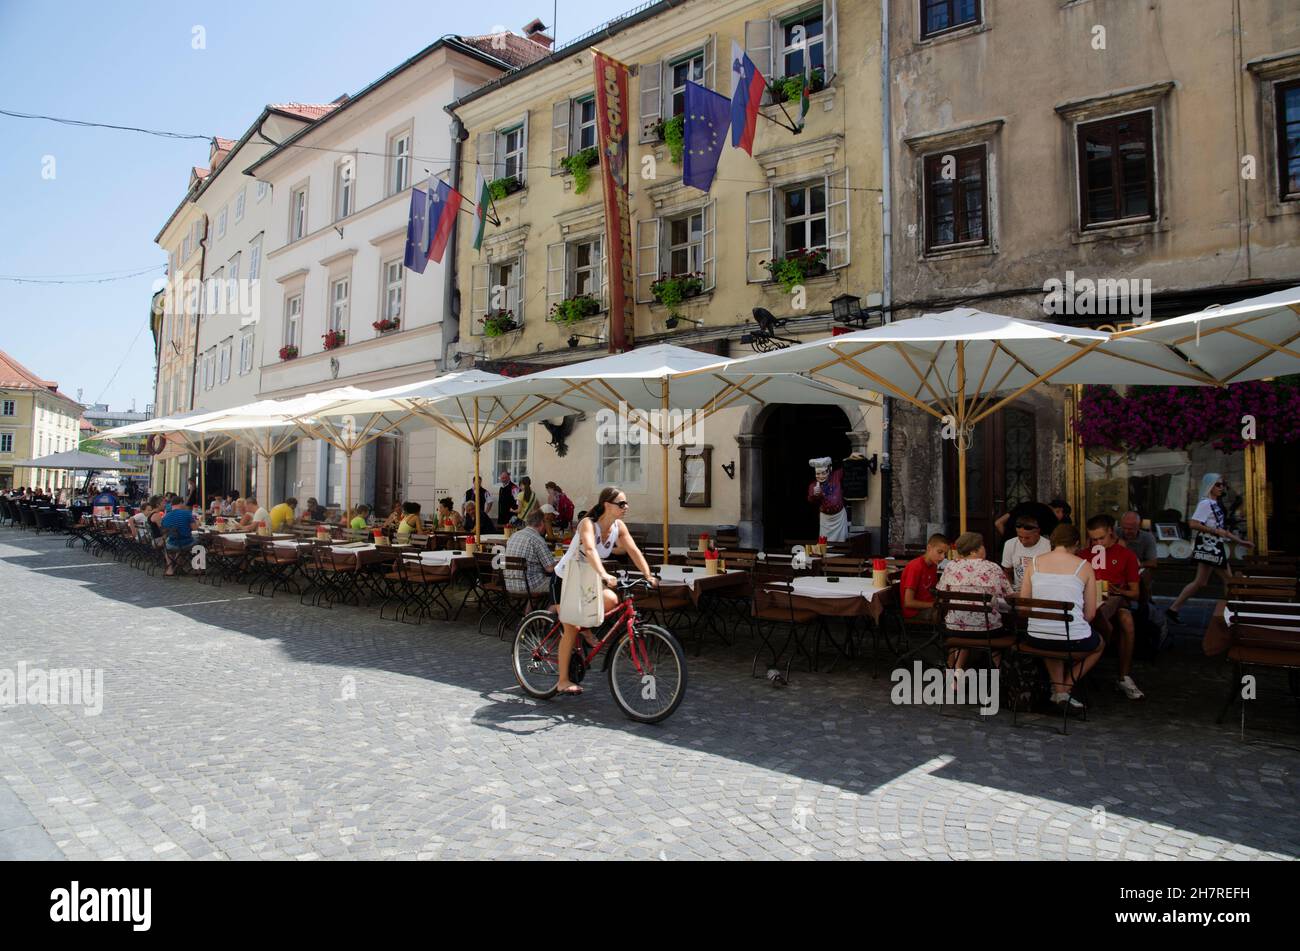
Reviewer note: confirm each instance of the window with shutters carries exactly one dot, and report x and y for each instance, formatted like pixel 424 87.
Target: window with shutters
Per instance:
pixel 685 244
pixel 512 150
pixel 224 354
pixel 255 258
pixel 298 213
pixel 340 294
pixel 943 16
pixel 584 124
pixel 8 408
pixel 392 289
pixel 803 217
pixel 263 189
pixel 6 442
pixel 239 204
pixel 399 161
pixel 1286 95
pixel 504 289
pixel 216 288
pixel 344 188
pixel 511 453
pixel 1116 170
pixel 809 215
pixel 221 222
pixel 802 42
pixel 209 367
pixel 689 68
pixel 956 198
pixel 246 340
pixel 292 320
pixel 583 273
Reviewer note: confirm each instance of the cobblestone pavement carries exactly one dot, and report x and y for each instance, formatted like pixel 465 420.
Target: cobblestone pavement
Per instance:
pixel 224 734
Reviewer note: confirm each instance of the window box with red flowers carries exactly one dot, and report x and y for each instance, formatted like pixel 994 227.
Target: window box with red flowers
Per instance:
pixel 335 339
pixel 386 325
pixel 289 352
pixel 499 322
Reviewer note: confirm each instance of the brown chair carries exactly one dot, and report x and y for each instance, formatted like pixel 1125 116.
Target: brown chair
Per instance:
pixel 772 606
pixel 489 590
pixel 1259 588
pixel 515 603
pixel 995 639
pixel 728 539
pixel 845 567
pixel 1264 634
pixel 1025 610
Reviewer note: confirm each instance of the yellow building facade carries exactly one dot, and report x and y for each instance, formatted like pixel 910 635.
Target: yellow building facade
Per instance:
pixel 35 420
pixel 818 189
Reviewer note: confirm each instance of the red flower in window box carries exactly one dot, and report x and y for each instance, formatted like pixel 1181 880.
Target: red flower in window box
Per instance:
pixel 386 324
pixel 335 339
pixel 289 352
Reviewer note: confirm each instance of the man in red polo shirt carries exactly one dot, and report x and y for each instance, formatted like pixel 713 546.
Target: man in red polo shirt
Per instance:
pixel 1119 568
pixel 919 578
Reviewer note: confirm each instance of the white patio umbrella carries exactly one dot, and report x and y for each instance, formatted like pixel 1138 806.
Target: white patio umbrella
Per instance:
pixel 953 365
pixel 1249 340
pixel 456 403
pixel 75 459
pixel 178 429
pixel 666 378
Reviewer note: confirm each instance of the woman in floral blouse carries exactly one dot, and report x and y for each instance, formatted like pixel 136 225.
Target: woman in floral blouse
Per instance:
pixel 972 573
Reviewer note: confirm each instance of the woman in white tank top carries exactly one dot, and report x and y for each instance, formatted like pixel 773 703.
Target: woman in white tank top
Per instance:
pixel 599 535
pixel 1061 575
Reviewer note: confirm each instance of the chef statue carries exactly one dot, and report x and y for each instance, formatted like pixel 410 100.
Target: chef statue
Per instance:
pixel 828 495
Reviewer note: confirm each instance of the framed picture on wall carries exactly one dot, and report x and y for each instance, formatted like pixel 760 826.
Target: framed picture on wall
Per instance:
pixel 1167 532
pixel 696 479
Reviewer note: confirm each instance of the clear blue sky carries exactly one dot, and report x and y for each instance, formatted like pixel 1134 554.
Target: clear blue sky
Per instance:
pixel 132 63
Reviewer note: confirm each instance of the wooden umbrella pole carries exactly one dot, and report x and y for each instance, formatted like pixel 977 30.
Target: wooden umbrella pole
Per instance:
pixel 203 472
pixel 478 494
pixel 663 442
pixel 347 487
pixel 961 435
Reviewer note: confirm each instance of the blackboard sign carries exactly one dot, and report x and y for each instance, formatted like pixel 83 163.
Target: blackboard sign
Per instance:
pixel 856 479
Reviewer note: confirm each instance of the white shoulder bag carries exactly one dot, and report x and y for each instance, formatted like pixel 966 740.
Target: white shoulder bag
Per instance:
pixel 581 600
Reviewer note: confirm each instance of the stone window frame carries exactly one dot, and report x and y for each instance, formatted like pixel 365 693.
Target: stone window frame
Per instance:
pixel 987 134
pixel 1269 72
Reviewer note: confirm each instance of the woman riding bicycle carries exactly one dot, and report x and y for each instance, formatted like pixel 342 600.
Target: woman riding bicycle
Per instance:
pixel 599 535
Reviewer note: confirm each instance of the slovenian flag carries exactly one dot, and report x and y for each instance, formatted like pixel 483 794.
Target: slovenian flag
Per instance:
pixel 444 205
pixel 747 88
pixel 483 196
pixel 804 102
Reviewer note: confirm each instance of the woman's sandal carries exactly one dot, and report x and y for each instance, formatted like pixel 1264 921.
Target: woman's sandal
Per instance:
pixel 570 691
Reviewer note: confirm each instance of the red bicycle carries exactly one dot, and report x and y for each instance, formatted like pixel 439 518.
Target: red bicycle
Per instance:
pixel 646 667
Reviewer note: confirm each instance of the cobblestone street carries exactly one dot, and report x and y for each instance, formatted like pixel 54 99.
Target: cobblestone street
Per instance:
pixel 228 730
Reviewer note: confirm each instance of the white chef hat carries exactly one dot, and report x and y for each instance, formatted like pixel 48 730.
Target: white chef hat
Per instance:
pixel 821 462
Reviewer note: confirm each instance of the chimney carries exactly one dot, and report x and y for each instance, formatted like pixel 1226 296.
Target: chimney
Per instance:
pixel 534 32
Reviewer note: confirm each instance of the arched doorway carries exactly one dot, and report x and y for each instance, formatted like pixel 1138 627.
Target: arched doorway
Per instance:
pixel 791 435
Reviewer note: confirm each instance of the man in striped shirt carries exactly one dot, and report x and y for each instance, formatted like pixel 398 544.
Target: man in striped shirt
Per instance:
pixel 528 544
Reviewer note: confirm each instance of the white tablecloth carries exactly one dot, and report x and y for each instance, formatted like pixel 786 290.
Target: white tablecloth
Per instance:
pixel 817 586
pixel 441 557
pixel 341 550
pixel 682 574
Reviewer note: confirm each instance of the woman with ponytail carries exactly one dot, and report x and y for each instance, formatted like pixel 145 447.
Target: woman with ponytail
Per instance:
pixel 599 535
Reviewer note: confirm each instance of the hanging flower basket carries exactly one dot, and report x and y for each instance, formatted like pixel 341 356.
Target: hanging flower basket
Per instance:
pixel 579 166
pixel 796 267
pixel 671 291
pixel 787 88
pixel 574 309
pixel 334 339
pixel 672 132
pixel 386 325
pixel 499 322
pixel 288 353
pixel 499 188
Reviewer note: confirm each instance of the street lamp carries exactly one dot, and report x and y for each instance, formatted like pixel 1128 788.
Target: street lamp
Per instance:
pixel 674 319
pixel 847 309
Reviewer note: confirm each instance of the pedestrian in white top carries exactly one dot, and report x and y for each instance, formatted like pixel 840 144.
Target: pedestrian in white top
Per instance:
pixel 1028 542
pixel 1210 524
pixel 599 535
pixel 1061 575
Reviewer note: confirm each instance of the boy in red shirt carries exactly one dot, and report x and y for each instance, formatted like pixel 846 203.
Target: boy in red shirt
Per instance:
pixel 1119 568
pixel 919 578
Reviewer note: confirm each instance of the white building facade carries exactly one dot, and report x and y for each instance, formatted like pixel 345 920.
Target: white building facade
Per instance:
pixel 338 305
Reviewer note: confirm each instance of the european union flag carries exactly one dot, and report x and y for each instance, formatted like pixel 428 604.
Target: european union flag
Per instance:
pixel 417 232
pixel 704 133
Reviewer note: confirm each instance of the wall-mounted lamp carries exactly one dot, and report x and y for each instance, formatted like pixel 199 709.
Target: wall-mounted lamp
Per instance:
pixel 674 319
pixel 575 338
pixel 846 309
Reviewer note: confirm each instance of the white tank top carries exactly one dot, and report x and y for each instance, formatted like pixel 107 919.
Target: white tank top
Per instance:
pixel 1053 586
pixel 604 546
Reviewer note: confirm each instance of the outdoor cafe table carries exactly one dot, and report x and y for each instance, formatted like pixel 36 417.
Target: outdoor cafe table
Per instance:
pixel 827 596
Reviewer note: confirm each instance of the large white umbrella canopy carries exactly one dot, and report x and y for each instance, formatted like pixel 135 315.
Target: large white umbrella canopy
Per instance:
pixel 75 459
pixel 962 365
pixel 667 379
pixel 1249 340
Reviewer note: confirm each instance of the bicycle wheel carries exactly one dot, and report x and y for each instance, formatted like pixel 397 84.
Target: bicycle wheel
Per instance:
pixel 647 674
pixel 536 665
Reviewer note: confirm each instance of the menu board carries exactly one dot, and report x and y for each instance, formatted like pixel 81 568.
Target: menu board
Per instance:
pixel 856 478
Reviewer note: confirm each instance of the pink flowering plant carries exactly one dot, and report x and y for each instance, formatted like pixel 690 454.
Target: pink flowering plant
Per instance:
pixel 1175 417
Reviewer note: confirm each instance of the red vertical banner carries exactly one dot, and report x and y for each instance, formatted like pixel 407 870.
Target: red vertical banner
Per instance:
pixel 612 113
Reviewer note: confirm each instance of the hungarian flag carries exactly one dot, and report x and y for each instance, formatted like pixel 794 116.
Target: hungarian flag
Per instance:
pixel 483 196
pixel 444 205
pixel 747 87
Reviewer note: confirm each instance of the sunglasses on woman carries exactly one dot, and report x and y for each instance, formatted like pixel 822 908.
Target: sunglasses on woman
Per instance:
pixel 622 505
